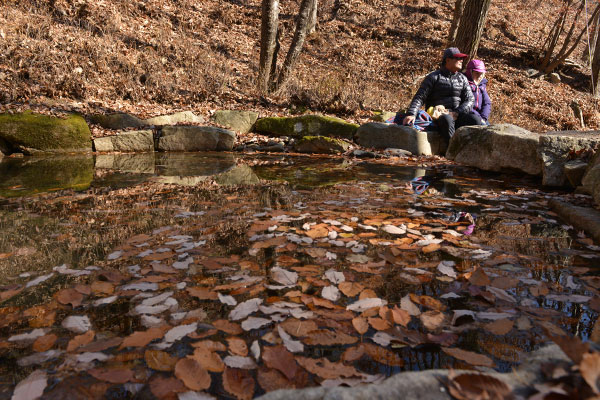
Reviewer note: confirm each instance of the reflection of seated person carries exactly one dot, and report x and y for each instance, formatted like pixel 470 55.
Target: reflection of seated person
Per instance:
pixel 475 73
pixel 448 87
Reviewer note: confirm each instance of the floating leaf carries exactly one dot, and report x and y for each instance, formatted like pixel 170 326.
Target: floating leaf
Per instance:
pixel 141 339
pixel 469 357
pixel 365 304
pixel 590 370
pixel 32 387
pixel 350 289
pixel 331 293
pixel 239 383
pixel 324 337
pixel 298 328
pixel 477 386
pixel 326 369
pixel 255 323
pixel 292 345
pixel 209 360
pixel 159 360
pixel 239 362
pixel 361 325
pixel 432 320
pixel 279 358
pixel 383 356
pixel 112 375
pixel 69 296
pixel 192 374
pixel 237 346
pixel 81 340
pixel 500 326
pixel 77 323
pixel 284 277
pixel 400 316
pixel 244 309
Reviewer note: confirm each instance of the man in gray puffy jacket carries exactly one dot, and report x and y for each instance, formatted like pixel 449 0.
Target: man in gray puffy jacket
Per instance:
pixel 449 88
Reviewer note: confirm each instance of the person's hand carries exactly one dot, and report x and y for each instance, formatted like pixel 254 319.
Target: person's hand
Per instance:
pixel 454 115
pixel 408 120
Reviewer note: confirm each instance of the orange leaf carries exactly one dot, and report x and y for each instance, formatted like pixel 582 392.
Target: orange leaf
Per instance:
pixel 239 383
pixel 469 357
pixel 159 360
pixel 192 374
pixel 401 317
pixel 44 343
pixel 112 375
pixel 360 324
pixel 81 340
pixel 237 346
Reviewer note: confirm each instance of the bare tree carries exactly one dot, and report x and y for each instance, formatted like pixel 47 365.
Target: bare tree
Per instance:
pixel 458 10
pixel 268 79
pixel 550 59
pixel 596 70
pixel 470 28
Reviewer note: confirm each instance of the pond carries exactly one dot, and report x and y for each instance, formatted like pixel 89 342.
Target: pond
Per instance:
pixel 268 272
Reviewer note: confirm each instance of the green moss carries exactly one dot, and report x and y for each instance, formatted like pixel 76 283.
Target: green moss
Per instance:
pixel 306 125
pixel 33 133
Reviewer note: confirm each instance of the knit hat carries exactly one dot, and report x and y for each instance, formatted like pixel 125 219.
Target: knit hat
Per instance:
pixel 476 65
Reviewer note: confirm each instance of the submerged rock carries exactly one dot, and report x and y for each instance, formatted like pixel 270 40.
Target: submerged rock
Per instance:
pixel 384 136
pixel 36 133
pixel 239 121
pixel 321 144
pixel 583 218
pixel 590 183
pixel 195 138
pixel 556 148
pixel 142 141
pixel 306 125
pixel 496 148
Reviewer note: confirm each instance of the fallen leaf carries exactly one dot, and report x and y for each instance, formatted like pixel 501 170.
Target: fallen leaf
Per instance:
pixel 112 375
pixel 159 360
pixel 432 320
pixel 383 356
pixel 427 301
pixel 331 293
pixel 239 362
pixel 226 299
pixel 500 326
pixel 142 338
pixel 32 387
pixel 255 323
pixel 102 287
pixel 400 316
pixel 239 383
pixel 590 370
pixel 279 358
pixel 44 343
pixel 244 309
pixel 192 374
pixel 230 328
pixel 326 369
pixel 284 277
pixel 292 345
pixel 479 278
pixel 166 387
pixel 77 323
pixel 361 325
pixel 237 346
pixel 325 337
pixel 350 289
pixel 81 340
pixel 271 379
pixel 202 293
pixel 69 296
pixel 469 357
pixel 367 294
pixel 407 305
pixel 471 386
pixel 209 360
pixel 298 328
pixel 379 324
pixel 365 304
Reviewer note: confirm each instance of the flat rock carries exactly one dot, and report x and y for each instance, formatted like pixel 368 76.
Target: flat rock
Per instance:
pixel 556 148
pixel 238 121
pixel 382 136
pixel 582 218
pixel 574 171
pixel 383 116
pixel 321 144
pixel 195 138
pixel 128 141
pixel 117 121
pixel 590 183
pixel 31 133
pixel 173 119
pixel 306 125
pixel 503 147
pixel 142 163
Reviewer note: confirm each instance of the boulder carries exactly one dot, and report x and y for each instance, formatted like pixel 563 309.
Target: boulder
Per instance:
pixel 306 125
pixel 238 121
pixel 382 116
pixel 36 133
pixel 384 136
pixel 174 119
pixel 321 144
pixel 117 121
pixel 142 163
pixel 193 165
pixel 503 147
pixel 590 183
pixel 195 138
pixel 583 218
pixel 574 171
pixel 128 141
pixel 556 148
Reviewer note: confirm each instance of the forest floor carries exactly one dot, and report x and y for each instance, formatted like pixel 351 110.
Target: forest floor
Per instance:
pixel 152 57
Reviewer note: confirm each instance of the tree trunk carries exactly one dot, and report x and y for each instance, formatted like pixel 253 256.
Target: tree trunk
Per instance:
pixel 312 22
pixel 458 10
pixel 268 42
pixel 596 70
pixel 471 26
pixel 297 42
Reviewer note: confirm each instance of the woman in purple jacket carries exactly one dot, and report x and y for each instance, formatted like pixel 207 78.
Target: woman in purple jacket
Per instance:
pixel 475 74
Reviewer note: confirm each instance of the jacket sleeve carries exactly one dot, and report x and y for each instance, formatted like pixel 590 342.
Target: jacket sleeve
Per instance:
pixel 466 97
pixel 486 104
pixel 422 94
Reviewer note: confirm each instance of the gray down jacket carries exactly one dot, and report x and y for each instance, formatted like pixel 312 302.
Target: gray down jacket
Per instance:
pixel 442 87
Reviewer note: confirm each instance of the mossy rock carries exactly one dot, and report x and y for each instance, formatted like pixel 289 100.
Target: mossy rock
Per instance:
pixel 382 116
pixel 36 133
pixel 321 144
pixel 306 125
pixel 32 175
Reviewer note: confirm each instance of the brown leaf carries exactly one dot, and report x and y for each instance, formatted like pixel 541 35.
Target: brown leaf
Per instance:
pixel 500 326
pixel 202 293
pixel 469 357
pixel 271 379
pixel 432 320
pixel 192 374
pixel 42 316
pixel 361 325
pixel 431 248
pixel 428 302
pixel 237 346
pixel 104 288
pixel 142 338
pixel 324 337
pixel 350 289
pixel 502 351
pixel 230 328
pixel 239 383
pixel 478 277
pixel 318 231
pixel 326 369
pixel 210 345
pixel 112 375
pixel 166 387
pixel 69 296
pixel 401 317
pixel 279 358
pixel 298 328
pixel 159 360
pixel 368 294
pixel 353 353
pixel 101 345
pixel 383 356
pixel 478 386
pixel 590 370
pixel 44 343
pixel 379 324
pixel 209 360
pixel 81 340
pixel 572 346
pixel 444 338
